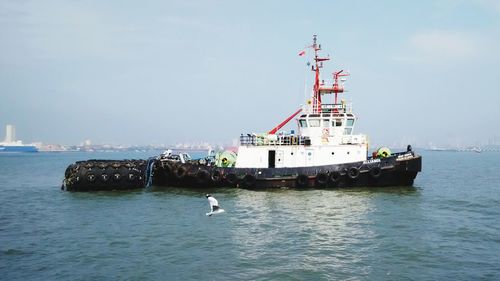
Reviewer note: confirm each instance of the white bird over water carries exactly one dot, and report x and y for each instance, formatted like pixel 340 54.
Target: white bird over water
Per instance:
pixel 214 205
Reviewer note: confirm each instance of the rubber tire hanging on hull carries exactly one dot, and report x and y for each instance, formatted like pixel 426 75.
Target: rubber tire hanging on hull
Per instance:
pixel 302 181
pixel 353 173
pixel 248 181
pixel 321 179
pixel 231 179
pixel 375 172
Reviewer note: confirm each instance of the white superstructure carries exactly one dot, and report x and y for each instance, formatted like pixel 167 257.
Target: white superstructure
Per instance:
pixel 325 133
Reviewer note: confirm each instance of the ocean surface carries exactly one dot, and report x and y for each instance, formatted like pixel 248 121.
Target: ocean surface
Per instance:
pixel 447 227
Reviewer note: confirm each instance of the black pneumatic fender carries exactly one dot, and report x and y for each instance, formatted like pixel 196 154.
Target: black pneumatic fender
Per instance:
pixel 302 181
pixel 249 181
pixel 116 176
pixel 375 172
pixel 202 176
pixel 353 173
pixel 91 177
pixel 321 179
pixel 104 177
pixel 69 171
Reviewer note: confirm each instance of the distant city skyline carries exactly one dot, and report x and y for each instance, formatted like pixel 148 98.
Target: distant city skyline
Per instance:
pixel 164 72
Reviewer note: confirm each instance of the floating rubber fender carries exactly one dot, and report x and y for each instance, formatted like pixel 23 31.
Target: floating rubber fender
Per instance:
pixel 335 176
pixel 89 165
pixel 375 172
pixel 216 176
pixel 353 173
pixel 102 165
pixel 249 180
pixel 104 177
pixel 181 172
pixel 129 165
pixel 116 165
pixel 90 177
pixel 69 171
pixel 321 179
pixel 202 176
pixel 231 179
pixel 302 181
pixel 383 152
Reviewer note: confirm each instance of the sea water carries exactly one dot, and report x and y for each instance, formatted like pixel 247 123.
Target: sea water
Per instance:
pixel 445 228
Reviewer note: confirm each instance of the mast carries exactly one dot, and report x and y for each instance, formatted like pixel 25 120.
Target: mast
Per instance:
pixel 336 87
pixel 318 63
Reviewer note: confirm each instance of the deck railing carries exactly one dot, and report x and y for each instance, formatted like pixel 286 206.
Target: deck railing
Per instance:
pixel 252 139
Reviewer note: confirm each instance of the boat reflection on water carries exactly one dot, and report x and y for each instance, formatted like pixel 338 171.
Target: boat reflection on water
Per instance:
pixel 317 226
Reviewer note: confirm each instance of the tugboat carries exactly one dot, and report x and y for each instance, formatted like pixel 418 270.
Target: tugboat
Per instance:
pixel 324 153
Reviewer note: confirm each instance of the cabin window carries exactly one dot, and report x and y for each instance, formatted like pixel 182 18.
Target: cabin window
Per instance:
pixel 337 123
pixel 350 122
pixel 303 123
pixel 326 123
pixel 314 122
pixel 347 131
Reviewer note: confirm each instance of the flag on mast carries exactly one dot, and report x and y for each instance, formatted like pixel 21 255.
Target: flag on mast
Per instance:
pixel 302 53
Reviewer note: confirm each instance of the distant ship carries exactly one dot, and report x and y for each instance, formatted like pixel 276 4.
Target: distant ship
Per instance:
pixel 10 144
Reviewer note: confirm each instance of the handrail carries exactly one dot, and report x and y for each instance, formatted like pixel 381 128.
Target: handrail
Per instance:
pixel 258 140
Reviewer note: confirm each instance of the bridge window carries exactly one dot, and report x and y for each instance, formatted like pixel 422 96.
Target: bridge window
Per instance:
pixel 347 131
pixel 326 123
pixel 314 122
pixel 337 123
pixel 350 122
pixel 303 123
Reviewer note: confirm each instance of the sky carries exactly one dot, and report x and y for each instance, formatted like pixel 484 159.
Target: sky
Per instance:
pixel 161 72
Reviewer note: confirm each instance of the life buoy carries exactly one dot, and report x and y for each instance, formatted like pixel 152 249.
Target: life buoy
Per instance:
pixel 375 172
pixel 216 176
pixel 249 181
pixel 353 173
pixel 180 172
pixel 321 179
pixel 302 181
pixel 202 176
pixel 231 179
pixel 335 177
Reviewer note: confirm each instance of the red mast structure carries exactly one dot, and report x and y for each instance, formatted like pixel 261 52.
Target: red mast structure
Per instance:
pixel 336 87
pixel 318 63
